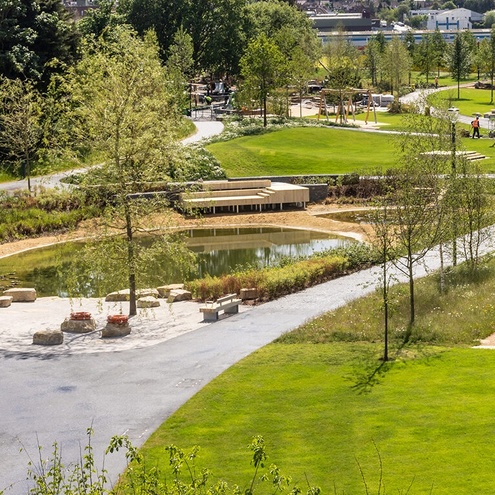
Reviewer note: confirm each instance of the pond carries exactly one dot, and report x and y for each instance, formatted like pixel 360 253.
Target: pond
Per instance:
pixel 362 217
pixel 219 251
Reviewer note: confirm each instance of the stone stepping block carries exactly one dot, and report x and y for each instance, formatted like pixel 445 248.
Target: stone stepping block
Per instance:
pixel 164 290
pixel 148 302
pixel 48 337
pixel 78 326
pixel 179 295
pixel 116 330
pixel 5 301
pixel 123 295
pixel 21 294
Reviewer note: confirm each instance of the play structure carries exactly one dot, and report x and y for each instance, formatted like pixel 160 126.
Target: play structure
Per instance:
pixel 345 105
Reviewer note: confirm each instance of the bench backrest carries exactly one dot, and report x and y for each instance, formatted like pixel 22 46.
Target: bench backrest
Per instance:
pixel 223 299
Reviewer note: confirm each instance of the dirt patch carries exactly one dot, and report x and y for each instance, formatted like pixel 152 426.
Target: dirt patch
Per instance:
pixel 306 219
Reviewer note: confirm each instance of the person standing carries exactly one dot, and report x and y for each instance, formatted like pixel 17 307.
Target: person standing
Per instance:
pixel 475 124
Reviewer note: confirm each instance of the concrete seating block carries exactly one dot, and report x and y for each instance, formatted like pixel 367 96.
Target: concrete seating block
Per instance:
pixel 247 294
pixel 148 302
pixel 78 326
pixel 164 290
pixel 21 294
pixel 5 301
pixel 48 337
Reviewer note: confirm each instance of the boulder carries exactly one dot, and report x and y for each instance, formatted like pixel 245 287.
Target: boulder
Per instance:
pixel 116 330
pixel 123 295
pixel 21 294
pixel 5 301
pixel 247 294
pixel 164 290
pixel 48 337
pixel 177 295
pixel 78 326
pixel 119 296
pixel 148 302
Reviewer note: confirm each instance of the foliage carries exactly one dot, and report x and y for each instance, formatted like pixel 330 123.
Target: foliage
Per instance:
pixel 290 276
pixel 52 475
pixel 122 107
pixel 459 61
pixel 396 64
pixel 20 123
pixel 36 37
pixel 23 215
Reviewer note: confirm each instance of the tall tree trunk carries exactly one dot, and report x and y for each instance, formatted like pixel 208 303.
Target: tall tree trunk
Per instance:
pixel 131 262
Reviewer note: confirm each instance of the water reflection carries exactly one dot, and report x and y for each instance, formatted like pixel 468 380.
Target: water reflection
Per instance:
pixel 219 251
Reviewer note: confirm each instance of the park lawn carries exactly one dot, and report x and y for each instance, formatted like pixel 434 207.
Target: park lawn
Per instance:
pixel 430 419
pixel 315 150
pixel 471 101
pixel 429 413
pixel 305 150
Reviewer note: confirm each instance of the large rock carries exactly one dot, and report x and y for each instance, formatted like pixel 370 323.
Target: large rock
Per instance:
pixel 21 294
pixel 116 330
pixel 78 326
pixel 119 296
pixel 164 290
pixel 148 302
pixel 123 295
pixel 247 294
pixel 48 337
pixel 5 301
pixel 179 295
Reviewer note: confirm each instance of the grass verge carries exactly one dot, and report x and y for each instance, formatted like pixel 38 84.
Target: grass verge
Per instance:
pixel 425 417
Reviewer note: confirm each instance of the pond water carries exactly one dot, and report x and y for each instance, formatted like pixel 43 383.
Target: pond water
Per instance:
pixel 219 251
pixel 356 216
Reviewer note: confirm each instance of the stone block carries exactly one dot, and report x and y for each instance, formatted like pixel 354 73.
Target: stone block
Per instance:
pixel 21 294
pixel 177 295
pixel 147 293
pixel 116 330
pixel 148 302
pixel 48 337
pixel 118 296
pixel 5 301
pixel 78 326
pixel 164 290
pixel 247 294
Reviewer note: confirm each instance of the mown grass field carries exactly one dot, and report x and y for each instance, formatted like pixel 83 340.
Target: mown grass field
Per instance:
pixel 314 150
pixel 427 416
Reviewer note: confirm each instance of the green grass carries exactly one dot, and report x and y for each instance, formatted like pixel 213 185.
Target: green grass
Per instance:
pixel 304 151
pixel 429 412
pixel 431 420
pixel 471 100
pixel 310 150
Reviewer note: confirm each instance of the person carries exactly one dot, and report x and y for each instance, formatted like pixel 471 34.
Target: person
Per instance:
pixel 436 82
pixel 475 124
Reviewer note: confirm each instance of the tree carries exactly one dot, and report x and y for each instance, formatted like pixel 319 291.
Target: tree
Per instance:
pixel 124 110
pixel 396 64
pixel 180 66
pixel 35 37
pixel 262 68
pixel 439 49
pixel 100 21
pixel 459 60
pixel 489 19
pixel 417 189
pixel 373 51
pixel 20 122
pixel 424 56
pixel 215 27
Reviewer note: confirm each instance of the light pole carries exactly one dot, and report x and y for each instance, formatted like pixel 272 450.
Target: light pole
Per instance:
pixel 453 115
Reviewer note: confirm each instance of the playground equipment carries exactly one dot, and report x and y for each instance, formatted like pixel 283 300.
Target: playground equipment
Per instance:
pixel 345 105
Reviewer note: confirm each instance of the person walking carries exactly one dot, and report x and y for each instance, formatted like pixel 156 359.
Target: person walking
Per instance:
pixel 475 124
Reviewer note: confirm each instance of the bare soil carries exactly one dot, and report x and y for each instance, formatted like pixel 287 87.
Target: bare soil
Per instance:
pixel 306 219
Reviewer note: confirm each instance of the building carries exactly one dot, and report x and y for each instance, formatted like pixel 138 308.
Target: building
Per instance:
pixel 452 20
pixel 327 23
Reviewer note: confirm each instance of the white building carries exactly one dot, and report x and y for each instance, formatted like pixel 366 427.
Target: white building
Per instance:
pixel 452 20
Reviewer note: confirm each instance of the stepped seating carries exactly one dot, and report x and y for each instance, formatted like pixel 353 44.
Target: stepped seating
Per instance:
pixel 236 195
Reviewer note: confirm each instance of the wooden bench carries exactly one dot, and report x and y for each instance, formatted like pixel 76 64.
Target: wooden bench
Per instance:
pixel 228 304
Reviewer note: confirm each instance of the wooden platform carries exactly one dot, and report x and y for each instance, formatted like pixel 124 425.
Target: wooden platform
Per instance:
pixel 218 196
